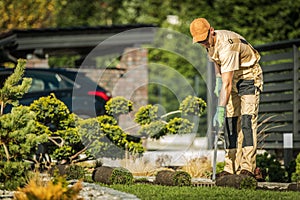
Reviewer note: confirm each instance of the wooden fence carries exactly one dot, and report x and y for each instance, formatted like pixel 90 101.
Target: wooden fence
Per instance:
pixel 279 106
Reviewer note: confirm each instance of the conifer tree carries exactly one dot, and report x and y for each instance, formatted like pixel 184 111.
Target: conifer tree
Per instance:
pixel 14 86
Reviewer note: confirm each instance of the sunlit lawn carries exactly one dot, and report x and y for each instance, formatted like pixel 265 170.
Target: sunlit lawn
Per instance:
pixel 158 192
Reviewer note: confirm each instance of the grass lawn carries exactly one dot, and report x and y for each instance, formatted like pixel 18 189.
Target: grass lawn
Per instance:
pixel 158 192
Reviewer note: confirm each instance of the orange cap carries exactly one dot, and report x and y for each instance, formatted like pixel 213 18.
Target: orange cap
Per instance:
pixel 199 29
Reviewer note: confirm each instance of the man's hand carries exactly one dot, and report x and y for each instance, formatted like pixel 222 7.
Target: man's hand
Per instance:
pixel 218 86
pixel 219 117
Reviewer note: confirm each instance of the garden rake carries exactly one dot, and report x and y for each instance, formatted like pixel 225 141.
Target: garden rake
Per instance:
pixel 218 135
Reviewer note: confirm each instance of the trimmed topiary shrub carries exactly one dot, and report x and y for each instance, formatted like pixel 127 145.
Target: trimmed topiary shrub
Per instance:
pixel 112 175
pixel 173 178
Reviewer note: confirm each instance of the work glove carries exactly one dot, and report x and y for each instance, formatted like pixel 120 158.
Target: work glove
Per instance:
pixel 218 86
pixel 219 118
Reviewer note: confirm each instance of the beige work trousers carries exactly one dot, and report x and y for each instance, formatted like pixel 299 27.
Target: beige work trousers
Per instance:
pixel 241 124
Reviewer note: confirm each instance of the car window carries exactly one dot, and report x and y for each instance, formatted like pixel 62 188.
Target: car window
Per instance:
pixel 43 80
pixel 48 81
pixel 37 85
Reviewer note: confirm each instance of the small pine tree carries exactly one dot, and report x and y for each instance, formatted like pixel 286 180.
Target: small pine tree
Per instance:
pixel 17 134
pixel 14 86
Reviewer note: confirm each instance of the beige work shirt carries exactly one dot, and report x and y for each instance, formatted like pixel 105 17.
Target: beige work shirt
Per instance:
pixel 231 51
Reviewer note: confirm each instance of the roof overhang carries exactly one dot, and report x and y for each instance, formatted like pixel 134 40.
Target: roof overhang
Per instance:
pixel 72 41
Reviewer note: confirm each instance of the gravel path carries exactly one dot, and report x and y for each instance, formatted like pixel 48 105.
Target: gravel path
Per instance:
pixel 93 191
pixel 90 191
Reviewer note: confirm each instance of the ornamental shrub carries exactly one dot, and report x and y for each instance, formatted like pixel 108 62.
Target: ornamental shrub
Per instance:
pixel 192 105
pixel 271 168
pixel 54 189
pixel 146 114
pixel 296 174
pixel 179 126
pixel 118 105
pixel 13 174
pixel 154 130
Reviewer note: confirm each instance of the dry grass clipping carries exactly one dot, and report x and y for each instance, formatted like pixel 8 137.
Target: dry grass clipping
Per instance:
pixel 139 166
pixel 198 167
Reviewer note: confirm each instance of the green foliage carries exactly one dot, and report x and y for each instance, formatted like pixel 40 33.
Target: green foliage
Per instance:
pixel 158 129
pixel 220 167
pixel 146 114
pixel 179 126
pixel 121 175
pixel 102 136
pixel 53 113
pixel 154 130
pixel 267 26
pixel 118 105
pixel 59 123
pixel 13 174
pixel 155 127
pixel 75 172
pixel 248 183
pixel 271 168
pixel 14 86
pixel 17 134
pixel 119 138
pixel 182 178
pixel 63 61
pixel 116 134
pixel 260 22
pixel 296 174
pixel 177 70
pixel 105 119
pixel 192 105
pixel 90 131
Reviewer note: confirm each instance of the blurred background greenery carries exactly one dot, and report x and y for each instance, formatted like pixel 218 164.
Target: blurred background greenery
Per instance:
pixel 259 21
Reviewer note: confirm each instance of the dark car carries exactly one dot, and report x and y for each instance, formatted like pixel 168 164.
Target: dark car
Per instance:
pixel 81 95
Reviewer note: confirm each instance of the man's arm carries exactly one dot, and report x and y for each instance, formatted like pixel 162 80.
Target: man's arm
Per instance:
pixel 226 88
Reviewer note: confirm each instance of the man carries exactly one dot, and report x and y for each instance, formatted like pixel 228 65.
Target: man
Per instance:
pixel 238 85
